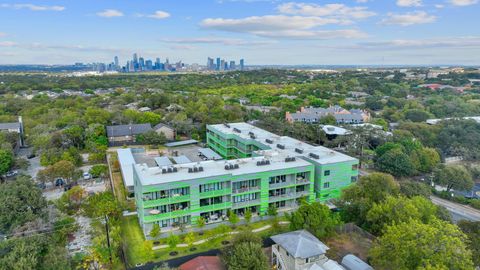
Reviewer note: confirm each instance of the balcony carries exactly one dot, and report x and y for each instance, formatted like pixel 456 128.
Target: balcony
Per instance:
pixel 245 190
pixel 282 197
pixel 281 184
pixel 215 207
pixel 245 204
pixel 163 201
pixel 301 180
pixel 156 217
pixel 215 193
pixel 299 194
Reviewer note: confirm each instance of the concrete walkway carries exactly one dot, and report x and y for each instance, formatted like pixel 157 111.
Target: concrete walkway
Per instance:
pixel 199 242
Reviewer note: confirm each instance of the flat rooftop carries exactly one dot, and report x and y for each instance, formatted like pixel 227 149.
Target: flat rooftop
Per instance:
pixel 244 131
pixel 211 168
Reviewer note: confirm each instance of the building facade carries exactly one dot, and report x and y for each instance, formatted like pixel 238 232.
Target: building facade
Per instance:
pixel 260 170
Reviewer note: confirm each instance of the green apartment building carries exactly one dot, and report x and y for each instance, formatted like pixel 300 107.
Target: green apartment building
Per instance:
pixel 261 169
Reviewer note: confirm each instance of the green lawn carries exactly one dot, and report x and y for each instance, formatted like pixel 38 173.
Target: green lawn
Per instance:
pixel 134 240
pixel 136 251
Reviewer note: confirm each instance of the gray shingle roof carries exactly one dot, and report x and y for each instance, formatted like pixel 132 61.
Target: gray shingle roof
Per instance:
pixel 9 126
pixel 162 125
pixel 300 244
pixel 127 130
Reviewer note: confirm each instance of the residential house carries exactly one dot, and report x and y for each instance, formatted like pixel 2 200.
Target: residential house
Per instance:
pixel 166 130
pixel 203 263
pixel 342 116
pixel 16 127
pixel 126 134
pixel 301 250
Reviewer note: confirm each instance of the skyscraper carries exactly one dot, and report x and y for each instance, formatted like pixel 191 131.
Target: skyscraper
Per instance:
pixel 217 67
pixel 115 61
pixel 242 64
pixel 232 65
pixel 210 64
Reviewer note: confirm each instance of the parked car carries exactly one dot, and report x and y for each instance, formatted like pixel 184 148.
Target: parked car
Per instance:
pixel 41 185
pixel 87 176
pixel 12 173
pixel 59 182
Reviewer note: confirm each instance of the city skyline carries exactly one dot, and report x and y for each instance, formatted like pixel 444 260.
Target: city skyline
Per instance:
pixel 138 63
pixel 364 32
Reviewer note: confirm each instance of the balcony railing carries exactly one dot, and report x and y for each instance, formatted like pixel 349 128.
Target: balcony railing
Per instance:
pixel 301 180
pixel 244 190
pixel 281 184
pixel 156 217
pixel 169 200
pixel 245 204
pixel 215 207
pixel 215 193
pixel 282 197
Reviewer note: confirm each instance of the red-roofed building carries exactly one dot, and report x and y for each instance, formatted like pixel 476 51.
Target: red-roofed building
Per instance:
pixel 203 263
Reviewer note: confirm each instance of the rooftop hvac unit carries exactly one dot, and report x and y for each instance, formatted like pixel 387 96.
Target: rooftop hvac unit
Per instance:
pixel 290 159
pixel 280 146
pixel 315 156
pixel 269 141
pixel 164 170
pixel 227 125
pixel 175 169
pixel 195 169
pixel 190 170
pixel 298 150
pixel 200 169
pixel 170 170
pixel 237 130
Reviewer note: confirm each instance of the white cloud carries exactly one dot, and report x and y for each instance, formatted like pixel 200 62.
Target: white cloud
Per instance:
pixel 182 47
pixel 315 34
pixel 410 18
pixel 267 23
pixel 328 10
pixel 7 44
pixel 159 15
pixel 218 40
pixel 33 7
pixel 439 6
pixel 446 42
pixel 362 1
pixel 110 13
pixel 409 3
pixel 463 2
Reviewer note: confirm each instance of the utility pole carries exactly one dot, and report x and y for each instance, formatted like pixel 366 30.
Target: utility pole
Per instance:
pixel 108 239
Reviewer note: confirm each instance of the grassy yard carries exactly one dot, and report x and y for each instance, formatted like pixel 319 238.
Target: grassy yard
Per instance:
pixel 137 251
pixel 134 240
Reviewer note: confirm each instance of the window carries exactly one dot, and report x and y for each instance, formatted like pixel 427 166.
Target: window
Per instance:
pixel 326 173
pixel 354 167
pixel 354 179
pixel 326 184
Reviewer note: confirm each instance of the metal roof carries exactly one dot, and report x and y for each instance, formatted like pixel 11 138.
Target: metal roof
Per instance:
pixel 163 161
pixel 16 125
pixel 126 160
pixel 352 262
pixel 181 143
pixel 128 130
pixel 181 159
pixel 209 154
pixel 300 244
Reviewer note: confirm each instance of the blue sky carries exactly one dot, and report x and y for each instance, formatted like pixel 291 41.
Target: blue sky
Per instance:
pixel 261 31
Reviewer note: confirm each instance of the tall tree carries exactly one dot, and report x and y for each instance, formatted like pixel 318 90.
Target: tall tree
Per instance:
pixel 316 218
pixel 453 177
pixel 415 245
pixel 21 201
pixel 356 200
